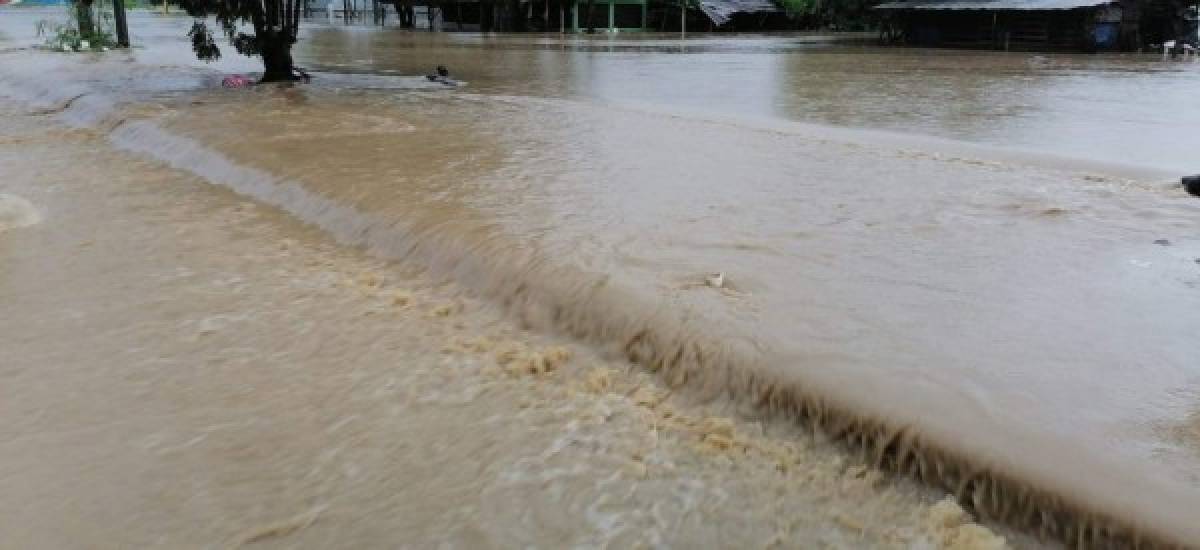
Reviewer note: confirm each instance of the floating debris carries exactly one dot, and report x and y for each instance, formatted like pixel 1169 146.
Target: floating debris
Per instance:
pixel 1191 184
pixel 715 280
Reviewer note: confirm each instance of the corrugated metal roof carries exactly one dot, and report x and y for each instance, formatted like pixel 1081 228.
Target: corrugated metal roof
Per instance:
pixel 719 11
pixel 1027 5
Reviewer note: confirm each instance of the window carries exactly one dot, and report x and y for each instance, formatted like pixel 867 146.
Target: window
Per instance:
pixel 599 15
pixel 627 16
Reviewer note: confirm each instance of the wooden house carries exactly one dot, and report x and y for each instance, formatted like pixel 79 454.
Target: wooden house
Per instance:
pixel 1082 25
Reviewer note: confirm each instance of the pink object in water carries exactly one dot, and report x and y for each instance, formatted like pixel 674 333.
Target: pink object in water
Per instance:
pixel 236 81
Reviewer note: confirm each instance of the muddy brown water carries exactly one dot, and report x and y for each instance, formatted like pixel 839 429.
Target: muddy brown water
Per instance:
pixel 985 253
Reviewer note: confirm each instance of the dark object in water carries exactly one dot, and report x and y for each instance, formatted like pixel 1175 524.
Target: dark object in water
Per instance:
pixel 1192 185
pixel 441 74
pixel 1162 242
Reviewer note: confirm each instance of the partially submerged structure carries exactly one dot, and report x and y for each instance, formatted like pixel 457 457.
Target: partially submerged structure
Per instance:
pixel 557 15
pixel 1015 24
pixel 721 12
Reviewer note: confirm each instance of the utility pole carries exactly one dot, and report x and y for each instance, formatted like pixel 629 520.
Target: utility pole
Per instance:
pixel 683 18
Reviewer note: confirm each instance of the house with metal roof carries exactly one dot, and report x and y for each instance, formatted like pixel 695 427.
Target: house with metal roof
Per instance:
pixel 1084 25
pixel 628 15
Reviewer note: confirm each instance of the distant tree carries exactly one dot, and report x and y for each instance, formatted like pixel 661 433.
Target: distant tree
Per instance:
pixel 840 14
pixel 798 7
pixel 84 28
pixel 849 15
pixel 275 24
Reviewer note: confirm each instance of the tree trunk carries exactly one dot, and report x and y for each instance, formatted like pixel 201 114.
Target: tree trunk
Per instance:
pixel 83 12
pixel 277 59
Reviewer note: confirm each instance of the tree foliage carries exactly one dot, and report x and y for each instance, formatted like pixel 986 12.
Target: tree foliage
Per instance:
pixel 798 7
pixel 839 14
pixel 275 25
pixel 84 26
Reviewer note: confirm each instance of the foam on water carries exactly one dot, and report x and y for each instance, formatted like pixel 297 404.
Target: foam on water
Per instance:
pixel 16 212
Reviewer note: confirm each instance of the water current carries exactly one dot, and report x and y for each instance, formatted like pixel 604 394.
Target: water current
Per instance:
pixel 979 266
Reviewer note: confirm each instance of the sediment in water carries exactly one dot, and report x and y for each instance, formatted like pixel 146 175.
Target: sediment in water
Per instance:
pixel 682 349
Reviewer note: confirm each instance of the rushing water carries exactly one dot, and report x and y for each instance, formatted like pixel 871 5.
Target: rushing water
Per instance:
pixel 986 252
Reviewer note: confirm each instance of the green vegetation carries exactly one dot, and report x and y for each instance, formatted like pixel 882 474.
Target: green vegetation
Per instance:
pixel 86 28
pixel 275 24
pixel 846 15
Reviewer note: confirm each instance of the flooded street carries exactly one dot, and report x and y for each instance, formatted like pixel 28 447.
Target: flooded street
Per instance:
pixel 977 267
pixel 1071 105
pixel 184 368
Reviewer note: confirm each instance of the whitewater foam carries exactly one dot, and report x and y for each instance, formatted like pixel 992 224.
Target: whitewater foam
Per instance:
pixel 16 212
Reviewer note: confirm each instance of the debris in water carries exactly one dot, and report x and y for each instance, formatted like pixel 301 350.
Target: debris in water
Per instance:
pixel 442 76
pixel 283 528
pixel 1162 242
pixel 715 280
pixel 1191 184
pixel 236 81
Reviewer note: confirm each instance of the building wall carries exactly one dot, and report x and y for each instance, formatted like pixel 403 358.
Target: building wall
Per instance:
pixel 1083 29
pixel 625 15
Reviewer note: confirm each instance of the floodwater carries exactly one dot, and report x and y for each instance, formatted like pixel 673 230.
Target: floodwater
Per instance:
pixel 984 256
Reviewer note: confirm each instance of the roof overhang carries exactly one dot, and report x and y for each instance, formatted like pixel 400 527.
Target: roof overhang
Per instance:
pixel 721 11
pixel 991 5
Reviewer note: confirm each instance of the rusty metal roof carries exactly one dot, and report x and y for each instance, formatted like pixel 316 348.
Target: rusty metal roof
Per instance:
pixel 720 11
pixel 997 5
